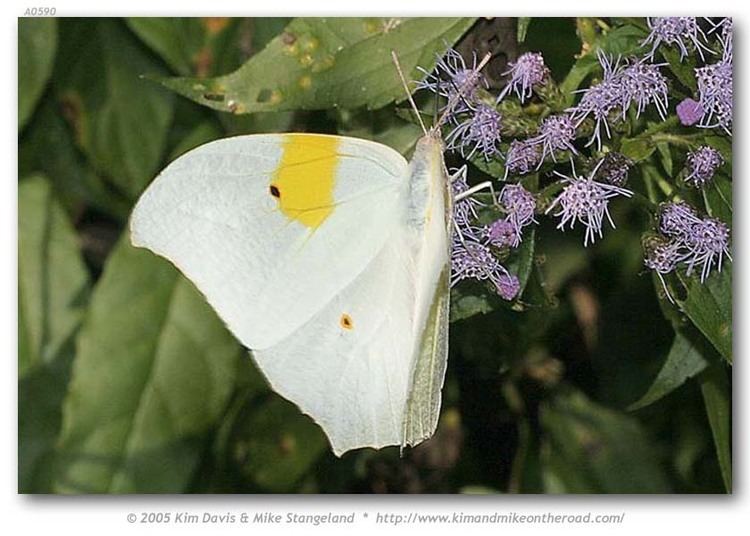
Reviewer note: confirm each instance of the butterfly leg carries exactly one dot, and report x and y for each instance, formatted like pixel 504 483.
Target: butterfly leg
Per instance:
pixel 478 188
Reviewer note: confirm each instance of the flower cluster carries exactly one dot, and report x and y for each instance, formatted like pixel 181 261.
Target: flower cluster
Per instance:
pixel 686 238
pixel 522 158
pixel 676 31
pixel 715 94
pixel 519 205
pixel 527 136
pixel 586 201
pixel 526 73
pixel 623 85
pixel 701 166
pixel 472 254
pixel 479 131
pixel 454 80
pixel 556 133
pixel 613 169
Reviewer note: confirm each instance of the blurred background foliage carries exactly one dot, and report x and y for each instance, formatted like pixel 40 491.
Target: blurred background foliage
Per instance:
pixel 128 382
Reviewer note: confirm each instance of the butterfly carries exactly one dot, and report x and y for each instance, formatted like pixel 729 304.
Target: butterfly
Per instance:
pixel 329 258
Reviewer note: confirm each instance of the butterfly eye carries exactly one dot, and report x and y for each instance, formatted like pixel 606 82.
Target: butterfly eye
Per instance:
pixel 275 191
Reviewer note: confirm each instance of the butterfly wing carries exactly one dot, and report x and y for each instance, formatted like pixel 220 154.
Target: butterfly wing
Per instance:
pixel 271 227
pixel 340 299
pixel 349 366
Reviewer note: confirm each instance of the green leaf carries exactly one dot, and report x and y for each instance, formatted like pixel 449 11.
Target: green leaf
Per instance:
pixel 383 126
pixel 153 374
pixel 683 362
pixel 178 40
pixel 205 46
pixel 718 198
pixel 465 305
pixel 622 40
pixel 52 290
pixel 717 397
pixel 120 119
pixel 590 449
pixel 582 68
pixel 665 155
pixel 494 167
pixel 709 307
pixel 40 396
pixel 275 445
pixel 320 63
pixel 522 262
pixel 48 147
pixel 637 149
pixel 53 283
pixel 683 68
pixel 37 42
pixel 203 132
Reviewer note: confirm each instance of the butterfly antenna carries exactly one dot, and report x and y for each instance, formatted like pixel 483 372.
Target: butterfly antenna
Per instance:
pixel 408 93
pixel 456 97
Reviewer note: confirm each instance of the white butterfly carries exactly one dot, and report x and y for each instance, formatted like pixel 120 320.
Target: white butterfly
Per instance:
pixel 328 257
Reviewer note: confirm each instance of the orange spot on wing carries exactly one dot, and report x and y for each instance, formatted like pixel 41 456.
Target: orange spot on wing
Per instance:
pixel 346 321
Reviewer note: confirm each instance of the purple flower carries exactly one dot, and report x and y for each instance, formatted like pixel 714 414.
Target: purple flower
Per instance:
pixel 726 40
pixel 451 76
pixel 634 82
pixel 725 37
pixel 471 256
pixel 642 84
pixel 662 256
pixel 507 286
pixel 522 157
pixel 706 242
pixel 502 234
pixel 586 201
pixel 692 240
pixel 479 132
pixel 679 31
pixel 715 94
pixel 473 260
pixel 600 99
pixel 613 169
pixel 464 210
pixel 701 166
pixel 520 205
pixel 556 133
pixel 689 112
pixel 676 218
pixel 527 72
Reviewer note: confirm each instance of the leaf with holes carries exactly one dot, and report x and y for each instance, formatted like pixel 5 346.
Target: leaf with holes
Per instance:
pixel 322 63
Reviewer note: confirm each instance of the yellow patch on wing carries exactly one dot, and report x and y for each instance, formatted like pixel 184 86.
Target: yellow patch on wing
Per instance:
pixel 303 183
